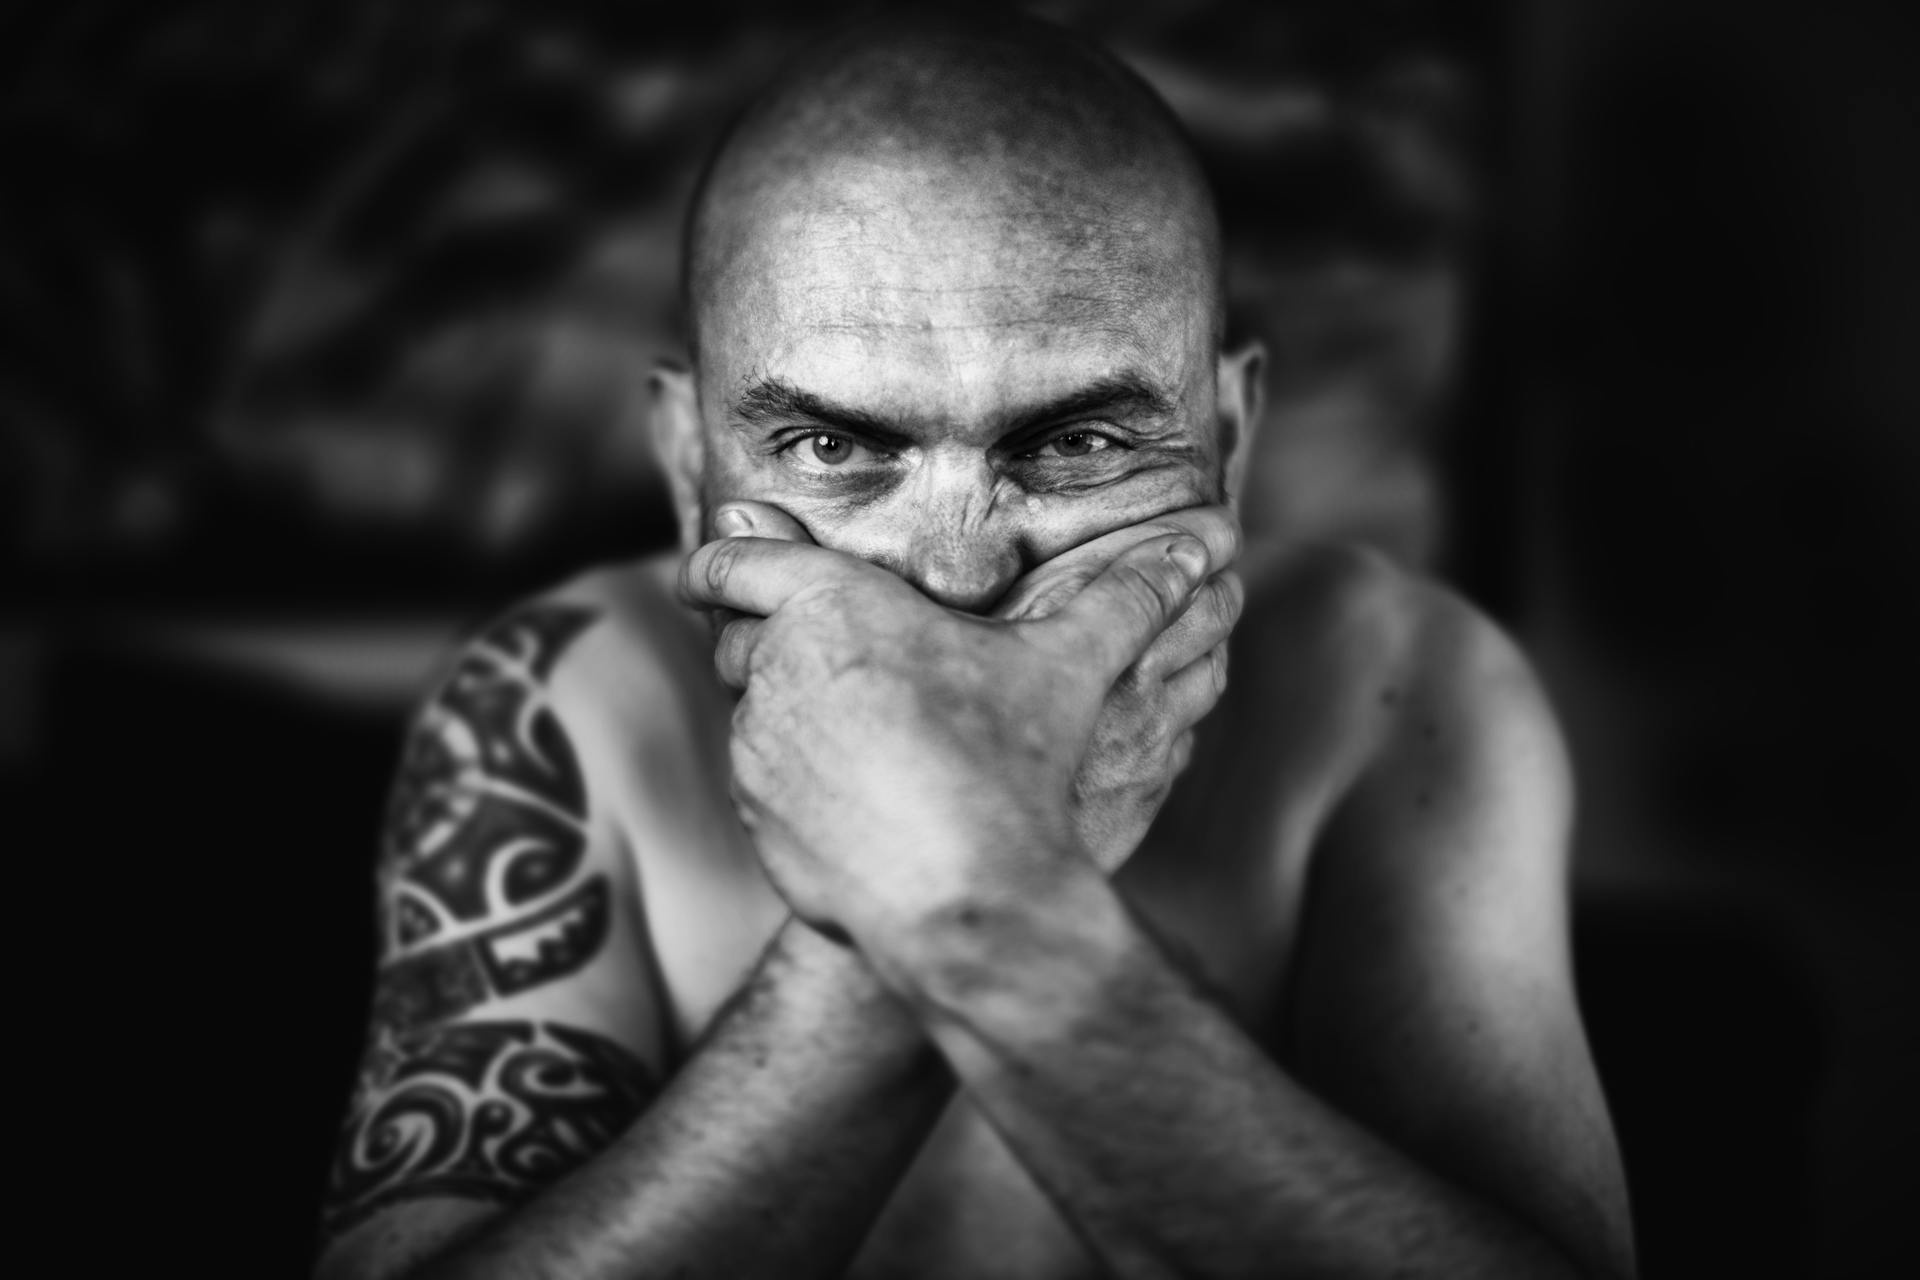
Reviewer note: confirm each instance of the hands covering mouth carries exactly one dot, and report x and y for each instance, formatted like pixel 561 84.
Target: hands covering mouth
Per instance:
pixel 897 761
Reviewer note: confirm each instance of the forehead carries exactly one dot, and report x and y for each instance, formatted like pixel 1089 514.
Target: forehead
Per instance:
pixel 944 290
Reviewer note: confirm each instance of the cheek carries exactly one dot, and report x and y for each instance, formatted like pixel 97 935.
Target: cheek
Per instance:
pixel 1057 523
pixel 735 475
pixel 876 522
pixel 856 520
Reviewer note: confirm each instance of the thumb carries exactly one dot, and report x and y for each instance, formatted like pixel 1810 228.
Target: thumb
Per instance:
pixel 733 632
pixel 744 519
pixel 1122 612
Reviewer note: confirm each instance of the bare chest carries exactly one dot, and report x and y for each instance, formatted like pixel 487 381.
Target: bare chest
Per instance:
pixel 1220 881
pixel 1221 899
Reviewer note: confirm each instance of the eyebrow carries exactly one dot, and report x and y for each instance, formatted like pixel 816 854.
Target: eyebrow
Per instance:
pixel 771 399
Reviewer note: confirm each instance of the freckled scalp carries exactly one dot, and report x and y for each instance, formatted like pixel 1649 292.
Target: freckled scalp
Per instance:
pixel 997 123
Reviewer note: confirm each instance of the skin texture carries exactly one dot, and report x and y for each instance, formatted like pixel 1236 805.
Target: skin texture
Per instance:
pixel 1037 250
pixel 922 961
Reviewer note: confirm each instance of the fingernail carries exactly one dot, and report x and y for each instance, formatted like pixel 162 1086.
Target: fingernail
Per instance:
pixel 731 522
pixel 1190 555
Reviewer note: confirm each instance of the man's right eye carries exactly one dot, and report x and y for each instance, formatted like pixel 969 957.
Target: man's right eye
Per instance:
pixel 827 449
pixel 832 450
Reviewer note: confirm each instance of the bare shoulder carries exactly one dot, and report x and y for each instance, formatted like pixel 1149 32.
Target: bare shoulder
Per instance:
pixel 635 689
pixel 639 644
pixel 1402 673
pixel 512 944
pixel 1433 996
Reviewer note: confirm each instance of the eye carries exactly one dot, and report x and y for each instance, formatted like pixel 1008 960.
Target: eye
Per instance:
pixel 828 449
pixel 1072 444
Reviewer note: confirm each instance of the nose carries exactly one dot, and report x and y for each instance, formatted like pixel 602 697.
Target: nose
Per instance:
pixel 968 570
pixel 949 540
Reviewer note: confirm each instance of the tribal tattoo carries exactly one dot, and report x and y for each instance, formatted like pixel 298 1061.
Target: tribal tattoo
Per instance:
pixel 481 1110
pixel 488 810
pixel 482 899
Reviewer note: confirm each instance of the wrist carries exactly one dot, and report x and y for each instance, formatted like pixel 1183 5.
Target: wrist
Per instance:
pixel 833 991
pixel 1019 950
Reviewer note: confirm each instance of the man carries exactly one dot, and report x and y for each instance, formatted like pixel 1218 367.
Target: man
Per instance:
pixel 906 962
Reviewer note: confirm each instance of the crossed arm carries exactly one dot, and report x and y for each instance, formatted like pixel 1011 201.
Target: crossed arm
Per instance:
pixel 519 1120
pixel 1107 1074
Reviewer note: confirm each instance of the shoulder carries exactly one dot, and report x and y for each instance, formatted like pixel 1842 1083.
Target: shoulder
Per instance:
pixel 607 667
pixel 1433 995
pixel 611 645
pixel 1420 688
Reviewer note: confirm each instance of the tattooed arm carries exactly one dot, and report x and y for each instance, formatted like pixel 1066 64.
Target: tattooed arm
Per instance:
pixel 508 1118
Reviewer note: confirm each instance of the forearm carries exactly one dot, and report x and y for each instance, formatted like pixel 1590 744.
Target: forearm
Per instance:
pixel 770 1152
pixel 1115 1082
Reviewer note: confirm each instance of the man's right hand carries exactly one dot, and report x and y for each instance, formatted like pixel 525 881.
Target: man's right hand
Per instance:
pixel 1143 738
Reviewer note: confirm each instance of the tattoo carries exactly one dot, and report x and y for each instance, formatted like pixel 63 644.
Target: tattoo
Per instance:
pixel 487 820
pixel 488 777
pixel 480 1110
pixel 444 981
pixel 483 898
pixel 488 816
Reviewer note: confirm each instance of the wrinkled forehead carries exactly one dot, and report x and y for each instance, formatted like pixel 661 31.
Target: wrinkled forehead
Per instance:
pixel 931 268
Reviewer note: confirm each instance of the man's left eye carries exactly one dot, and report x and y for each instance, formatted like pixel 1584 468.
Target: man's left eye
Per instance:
pixel 1073 444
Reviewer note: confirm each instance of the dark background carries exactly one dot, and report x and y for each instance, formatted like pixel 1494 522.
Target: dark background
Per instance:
pixel 323 334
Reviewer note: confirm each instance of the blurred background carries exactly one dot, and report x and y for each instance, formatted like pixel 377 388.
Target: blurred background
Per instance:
pixel 324 327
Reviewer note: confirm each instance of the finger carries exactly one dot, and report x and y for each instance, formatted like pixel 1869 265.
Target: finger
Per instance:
pixel 1196 689
pixel 1050 585
pixel 758 575
pixel 755 520
pixel 1180 755
pixel 1121 612
pixel 745 519
pixel 734 647
pixel 1207 622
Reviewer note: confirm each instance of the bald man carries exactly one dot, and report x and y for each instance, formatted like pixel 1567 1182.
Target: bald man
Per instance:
pixel 851 921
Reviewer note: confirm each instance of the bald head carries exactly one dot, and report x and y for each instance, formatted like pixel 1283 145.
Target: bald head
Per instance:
pixel 998 136
pixel 954 298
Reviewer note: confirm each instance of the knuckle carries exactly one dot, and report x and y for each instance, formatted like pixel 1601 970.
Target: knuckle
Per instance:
pixel 1215 612
pixel 718 564
pixel 729 657
pixel 1156 589
pixel 1229 599
pixel 1220 528
pixel 748 771
pixel 1180 754
pixel 1148 667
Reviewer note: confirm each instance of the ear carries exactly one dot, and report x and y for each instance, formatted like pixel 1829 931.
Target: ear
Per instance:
pixel 681 446
pixel 1241 386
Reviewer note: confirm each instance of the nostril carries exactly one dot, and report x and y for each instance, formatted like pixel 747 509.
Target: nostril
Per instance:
pixel 977 600
pixel 973 588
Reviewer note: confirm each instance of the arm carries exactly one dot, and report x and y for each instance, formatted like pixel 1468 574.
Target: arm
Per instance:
pixel 516 1035
pixel 773 1148
pixel 768 1155
pixel 1454 1126
pixel 920 806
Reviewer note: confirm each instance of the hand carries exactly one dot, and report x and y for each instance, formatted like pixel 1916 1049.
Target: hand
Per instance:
pixel 893 757
pixel 1143 737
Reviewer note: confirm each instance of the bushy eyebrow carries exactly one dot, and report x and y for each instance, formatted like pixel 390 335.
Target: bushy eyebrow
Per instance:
pixel 771 399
